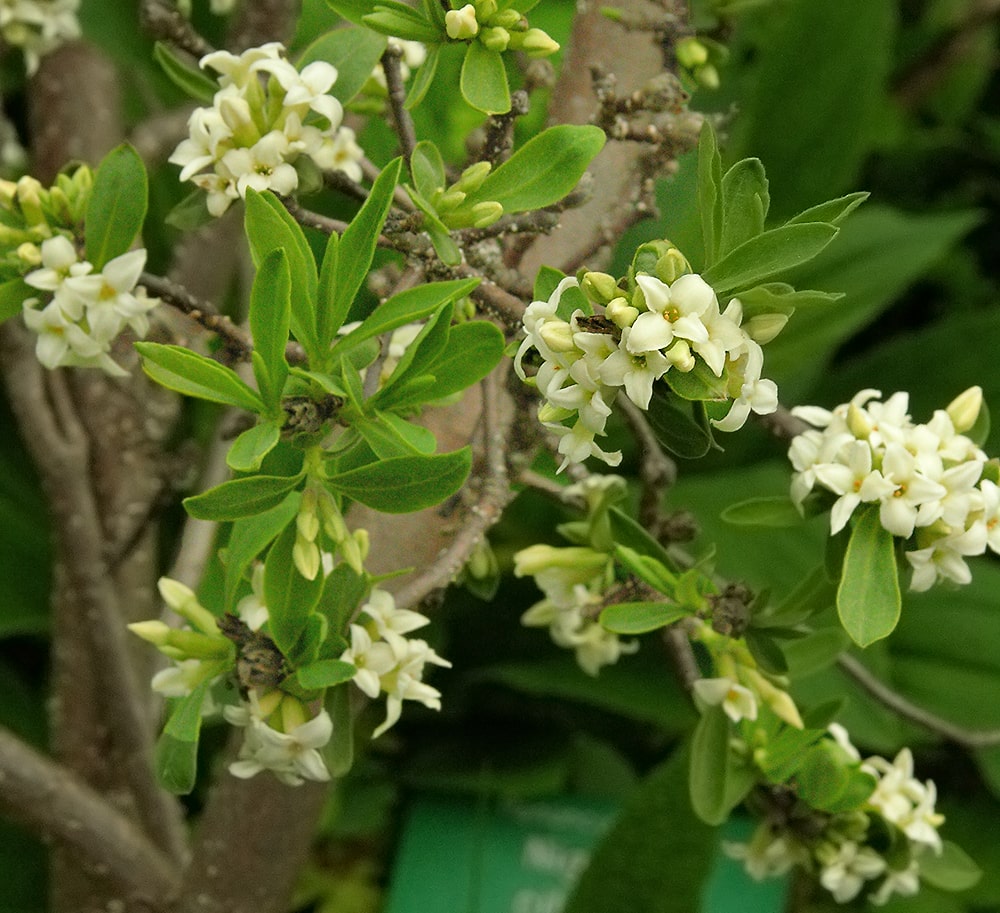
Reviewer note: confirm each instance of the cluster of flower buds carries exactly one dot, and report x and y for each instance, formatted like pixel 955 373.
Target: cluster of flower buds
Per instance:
pixel 934 487
pixel 84 311
pixel 388 662
pixel 577 579
pixel 266 123
pixel 668 322
pixel 38 27
pixel 876 847
pixel 498 29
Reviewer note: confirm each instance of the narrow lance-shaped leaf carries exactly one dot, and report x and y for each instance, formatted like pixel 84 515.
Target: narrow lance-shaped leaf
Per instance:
pixel 270 314
pixel 427 168
pixel 710 192
pixel 832 211
pixel 868 598
pixel 187 78
pixel 195 375
pixel 709 766
pixel 240 497
pixel 640 617
pixel 423 78
pixel 251 535
pixel 745 201
pixel 397 19
pixel 290 598
pixel 325 673
pixel 117 205
pixel 777 511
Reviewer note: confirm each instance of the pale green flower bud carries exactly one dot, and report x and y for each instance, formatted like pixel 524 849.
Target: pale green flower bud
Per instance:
pixel 154 632
pixel 557 335
pixel 29 197
pixel 671 266
pixel 350 550
pixel 537 43
pixel 486 213
pixel 461 25
pixel 269 702
pixel 364 543
pixel 333 521
pixel 307 558
pixel 29 254
pixel 195 645
pixel 600 287
pixel 858 422
pixel 473 176
pixel 307 520
pixel 482 563
pixel 708 76
pixel 237 116
pixel 764 327
pixel 8 193
pixel 495 38
pixel 579 560
pixel 507 19
pixel 184 602
pixel 621 313
pixel 449 200
pixel 679 355
pixel 691 53
pixel 548 412
pixel 485 9
pixel 779 701
pixel 964 409
pixel 293 713
pixel 83 180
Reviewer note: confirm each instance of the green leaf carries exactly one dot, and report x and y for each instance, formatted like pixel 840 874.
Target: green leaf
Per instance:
pixel 546 282
pixel 251 535
pixel 427 169
pixel 406 307
pixel 811 595
pixel 423 78
pixel 699 384
pixel 640 617
pixel 187 78
pixel 484 79
pixel 826 781
pixel 745 201
pixel 543 170
pixel 832 211
pixel 710 192
pixel 196 375
pixel 117 205
pixel 765 650
pixel 355 52
pixel 629 533
pixel 249 449
pixel 785 752
pixel 768 255
pixel 290 598
pixel 12 296
pixel 177 748
pixel 868 598
pixel 658 855
pixel 269 226
pixel 404 484
pixel 427 347
pixel 324 673
pixel 679 425
pixel 354 255
pixel 270 314
pixel 344 590
pixel 190 213
pixel 444 245
pixel 339 751
pixel 781 298
pixel 386 439
pixel 952 870
pixel 240 497
pixel 397 19
pixel 653 572
pixel 709 764
pixel 777 511
pixel 351 10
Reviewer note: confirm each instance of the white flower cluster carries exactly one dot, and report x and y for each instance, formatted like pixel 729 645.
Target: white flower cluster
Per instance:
pixel 845 862
pixel 575 581
pixel 87 310
pixel 667 327
pixel 38 26
pixel 388 662
pixel 265 116
pixel 926 478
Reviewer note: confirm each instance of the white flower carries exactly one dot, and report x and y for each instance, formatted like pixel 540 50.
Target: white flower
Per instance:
pixel 674 311
pixel 405 681
pixel 38 27
pixel 905 882
pixel 751 393
pixel 262 166
pixel 768 854
pixel 738 702
pixel 636 373
pixel 846 870
pixel 904 801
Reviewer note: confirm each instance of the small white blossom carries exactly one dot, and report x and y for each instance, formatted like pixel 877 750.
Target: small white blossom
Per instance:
pixel 738 701
pixel 38 27
pixel 847 868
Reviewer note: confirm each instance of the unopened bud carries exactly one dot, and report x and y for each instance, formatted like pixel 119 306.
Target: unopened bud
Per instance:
pixel 461 25
pixel 29 192
pixel 537 43
pixel 450 199
pixel 549 412
pixel 691 53
pixel 775 698
pixel 350 551
pixel 485 9
pixel 621 313
pixel 858 422
pixel 964 409
pixel 293 714
pixel 307 520
pixel 364 542
pixel 764 327
pixel 671 266
pixel 333 521
pixel 495 38
pixel 154 632
pixel 473 176
pixel 679 355
pixel 486 213
pixel 508 19
pixel 600 287
pixel 8 192
pixel 557 335
pixel 269 702
pixel 29 254
pixel 237 116
pixel 307 558
pixel 482 563
pixel 708 76
pixel 184 602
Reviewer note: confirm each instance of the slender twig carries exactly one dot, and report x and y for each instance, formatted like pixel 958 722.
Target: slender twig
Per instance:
pixel 164 21
pixel 397 97
pixel 538 222
pixel 678 645
pixel 500 129
pixel 52 801
pixel 967 738
pixel 494 494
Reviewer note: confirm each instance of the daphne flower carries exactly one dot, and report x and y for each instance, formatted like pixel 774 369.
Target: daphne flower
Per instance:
pixel 847 868
pixel 737 701
pixel 673 311
pixel 291 756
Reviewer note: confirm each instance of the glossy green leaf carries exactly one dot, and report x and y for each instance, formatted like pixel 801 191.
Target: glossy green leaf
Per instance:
pixel 781 298
pixel 353 255
pixel 268 227
pixel 290 598
pixel 543 170
pixel 832 211
pixel 708 768
pixel 406 307
pixel 12 296
pixel 117 205
pixel 386 439
pixel 427 347
pixel 827 781
pixel 766 651
pixel 777 511
pixel 484 79
pixel 629 533
pixel 785 752
pixel 249 449
pixel 427 169
pixel 343 592
pixel 816 651
pixel 653 572
pixel 190 213
pixel 679 425
pixel 657 856
pixel 952 870
pixel 710 192
pixel 699 384
pixel 355 52
pixel 399 20
pixel 177 748
pixel 745 202
pixel 351 10
pixel 640 617
pixel 405 484
pixel 324 673
pixel 270 314
pixel 423 78
pixel 240 497
pixel 768 255
pixel 547 281
pixel 196 375
pixel 251 535
pixel 339 751
pixel 868 598
pixel 186 77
